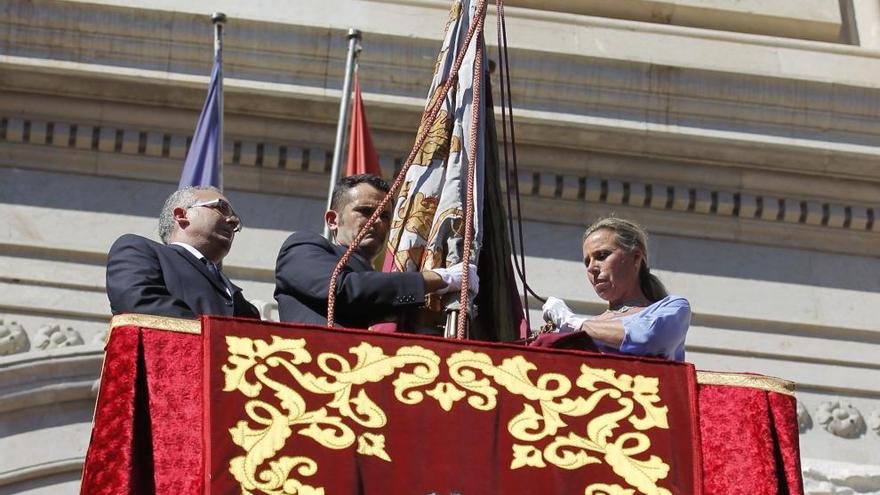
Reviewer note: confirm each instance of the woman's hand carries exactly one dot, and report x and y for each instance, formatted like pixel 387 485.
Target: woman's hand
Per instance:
pixel 607 331
pixel 562 317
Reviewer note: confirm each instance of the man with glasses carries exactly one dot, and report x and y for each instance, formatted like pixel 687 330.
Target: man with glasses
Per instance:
pixel 181 277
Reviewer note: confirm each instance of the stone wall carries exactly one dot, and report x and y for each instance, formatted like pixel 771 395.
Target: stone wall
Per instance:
pixel 742 134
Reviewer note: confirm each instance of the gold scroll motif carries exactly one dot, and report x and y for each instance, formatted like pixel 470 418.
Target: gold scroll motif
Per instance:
pixel 603 489
pixel 454 15
pixel 436 144
pixel 556 425
pixel 415 217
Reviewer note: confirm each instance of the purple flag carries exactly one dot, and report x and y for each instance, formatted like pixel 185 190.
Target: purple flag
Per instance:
pixel 204 160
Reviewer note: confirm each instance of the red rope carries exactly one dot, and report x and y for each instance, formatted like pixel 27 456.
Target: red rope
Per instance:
pixel 428 122
pixel 476 110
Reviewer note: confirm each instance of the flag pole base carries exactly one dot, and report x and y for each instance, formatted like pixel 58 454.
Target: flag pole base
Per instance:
pixel 451 324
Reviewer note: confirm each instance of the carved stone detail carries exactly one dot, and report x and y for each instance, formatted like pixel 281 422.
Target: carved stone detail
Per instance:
pixel 805 422
pixel 840 418
pixel 53 336
pixel 13 338
pixel 822 477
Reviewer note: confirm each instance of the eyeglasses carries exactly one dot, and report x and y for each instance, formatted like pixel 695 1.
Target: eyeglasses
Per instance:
pixel 222 207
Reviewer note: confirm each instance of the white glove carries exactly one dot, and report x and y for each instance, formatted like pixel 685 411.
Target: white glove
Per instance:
pixel 452 277
pixel 563 318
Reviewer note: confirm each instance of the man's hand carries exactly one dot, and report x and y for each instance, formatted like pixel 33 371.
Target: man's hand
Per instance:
pixel 562 317
pixel 453 275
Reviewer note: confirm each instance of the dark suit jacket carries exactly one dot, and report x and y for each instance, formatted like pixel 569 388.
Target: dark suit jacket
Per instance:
pixel 363 296
pixel 144 276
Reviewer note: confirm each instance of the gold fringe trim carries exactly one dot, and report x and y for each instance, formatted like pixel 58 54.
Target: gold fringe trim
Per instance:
pixel 181 325
pixel 768 383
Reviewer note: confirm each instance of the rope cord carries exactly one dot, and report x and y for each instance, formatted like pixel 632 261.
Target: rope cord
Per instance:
pixel 427 123
pixel 507 106
pixel 503 74
pixel 476 111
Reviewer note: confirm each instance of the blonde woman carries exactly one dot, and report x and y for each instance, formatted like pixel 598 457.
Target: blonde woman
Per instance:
pixel 642 319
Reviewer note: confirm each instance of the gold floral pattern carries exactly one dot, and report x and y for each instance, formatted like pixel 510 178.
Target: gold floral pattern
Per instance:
pixel 436 144
pixel 270 426
pixel 603 489
pixel 454 16
pixel 562 424
pixel 415 217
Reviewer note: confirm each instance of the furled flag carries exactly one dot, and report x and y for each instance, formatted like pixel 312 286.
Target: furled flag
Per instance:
pixel 204 160
pixel 362 158
pixel 429 216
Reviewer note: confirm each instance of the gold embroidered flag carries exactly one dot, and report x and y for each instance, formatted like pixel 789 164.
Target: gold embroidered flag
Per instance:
pixel 427 230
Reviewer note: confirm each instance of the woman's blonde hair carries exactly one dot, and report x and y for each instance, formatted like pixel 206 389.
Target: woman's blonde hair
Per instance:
pixel 630 237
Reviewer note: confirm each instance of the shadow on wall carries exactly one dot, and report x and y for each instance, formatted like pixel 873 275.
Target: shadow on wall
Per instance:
pixel 145 199
pixel 545 240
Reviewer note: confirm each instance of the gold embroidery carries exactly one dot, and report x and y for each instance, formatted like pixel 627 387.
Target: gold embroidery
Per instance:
pixel 603 489
pixel 526 455
pixel 436 144
pixel 768 383
pixel 372 444
pixel 454 14
pixel 446 394
pixel 246 371
pixel 418 219
pixel 181 325
pixel 551 390
pixel 557 425
pixel 413 216
pixel 461 369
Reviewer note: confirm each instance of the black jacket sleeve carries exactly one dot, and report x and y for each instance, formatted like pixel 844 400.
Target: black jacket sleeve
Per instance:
pixel 306 262
pixel 135 283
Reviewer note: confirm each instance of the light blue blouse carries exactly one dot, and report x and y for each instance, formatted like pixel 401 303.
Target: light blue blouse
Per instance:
pixel 658 330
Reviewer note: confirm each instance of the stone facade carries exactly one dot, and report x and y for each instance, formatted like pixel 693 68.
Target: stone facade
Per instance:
pixel 743 134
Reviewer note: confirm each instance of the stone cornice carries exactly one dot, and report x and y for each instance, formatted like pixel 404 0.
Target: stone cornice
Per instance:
pixel 735 155
pixel 738 154
pixel 679 208
pixel 557 82
pixel 260 23
pixel 42 470
pixel 38 378
pixel 812 19
pixel 825 476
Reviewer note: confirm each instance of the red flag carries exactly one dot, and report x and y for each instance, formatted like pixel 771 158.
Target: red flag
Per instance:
pixel 362 158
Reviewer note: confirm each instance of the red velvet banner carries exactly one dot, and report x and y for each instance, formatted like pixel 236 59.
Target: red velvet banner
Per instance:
pixel 749 437
pixel 306 410
pixel 149 418
pixel 147 436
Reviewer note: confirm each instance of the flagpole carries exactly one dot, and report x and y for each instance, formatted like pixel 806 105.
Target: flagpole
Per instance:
pixel 219 20
pixel 354 37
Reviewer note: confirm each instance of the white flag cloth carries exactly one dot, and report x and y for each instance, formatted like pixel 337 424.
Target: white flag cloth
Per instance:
pixel 428 226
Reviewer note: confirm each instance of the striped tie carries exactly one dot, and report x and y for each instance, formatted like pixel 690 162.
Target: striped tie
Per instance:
pixel 218 275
